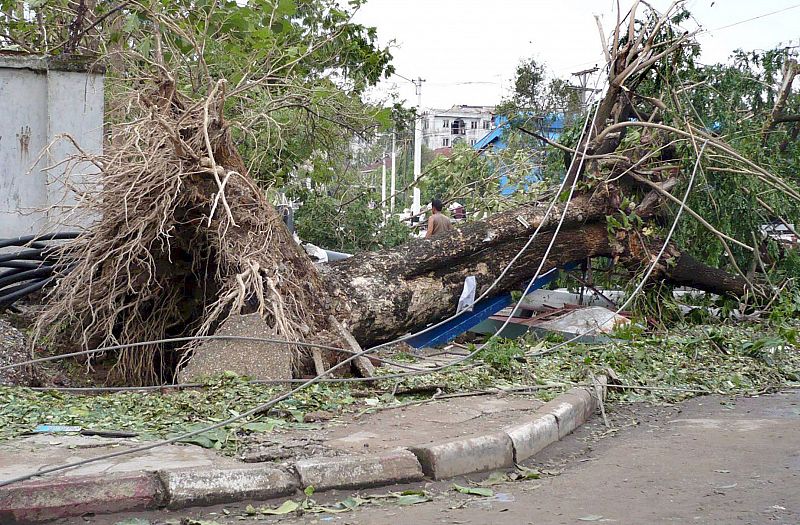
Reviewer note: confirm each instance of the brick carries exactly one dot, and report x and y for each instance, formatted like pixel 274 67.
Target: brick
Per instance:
pixel 69 496
pixel 465 456
pixel 397 466
pixel 190 487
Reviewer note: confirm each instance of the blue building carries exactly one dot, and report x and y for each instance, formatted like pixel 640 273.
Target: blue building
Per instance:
pixel 550 126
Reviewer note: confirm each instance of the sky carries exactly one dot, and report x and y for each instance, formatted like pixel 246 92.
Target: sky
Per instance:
pixel 467 50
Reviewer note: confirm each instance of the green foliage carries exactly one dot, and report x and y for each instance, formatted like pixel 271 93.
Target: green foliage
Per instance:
pixel 359 226
pixel 744 359
pixel 473 179
pixel 157 416
pixel 295 69
pixel 503 356
pixel 733 101
pixel 535 94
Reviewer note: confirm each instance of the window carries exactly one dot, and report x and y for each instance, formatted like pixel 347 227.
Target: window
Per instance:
pixel 472 142
pixel 425 124
pixel 473 124
pixel 485 124
pixel 445 123
pixel 445 143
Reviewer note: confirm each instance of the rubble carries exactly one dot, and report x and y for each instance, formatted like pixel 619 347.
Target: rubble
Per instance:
pixel 259 360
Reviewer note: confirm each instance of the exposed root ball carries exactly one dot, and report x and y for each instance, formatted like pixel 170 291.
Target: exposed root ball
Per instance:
pixel 181 239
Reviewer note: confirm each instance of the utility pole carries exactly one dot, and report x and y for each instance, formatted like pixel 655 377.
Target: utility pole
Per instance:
pixel 583 80
pixel 394 171
pixel 383 184
pixel 415 206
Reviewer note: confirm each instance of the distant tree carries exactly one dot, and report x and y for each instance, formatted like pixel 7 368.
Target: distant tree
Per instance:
pixel 537 94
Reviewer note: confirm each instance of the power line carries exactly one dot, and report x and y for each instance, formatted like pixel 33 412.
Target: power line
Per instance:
pixel 652 266
pixel 265 406
pixel 403 77
pixel 753 18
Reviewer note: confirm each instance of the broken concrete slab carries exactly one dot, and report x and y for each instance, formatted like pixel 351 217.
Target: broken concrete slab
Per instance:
pixel 256 359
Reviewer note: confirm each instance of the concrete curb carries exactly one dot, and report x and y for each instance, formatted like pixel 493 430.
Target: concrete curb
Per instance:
pixel 48 499
pixel 190 487
pixel 64 497
pixel 397 466
pixel 533 436
pixel 550 423
pixel 466 455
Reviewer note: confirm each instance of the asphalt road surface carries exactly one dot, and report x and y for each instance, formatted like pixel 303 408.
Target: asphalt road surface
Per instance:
pixel 707 460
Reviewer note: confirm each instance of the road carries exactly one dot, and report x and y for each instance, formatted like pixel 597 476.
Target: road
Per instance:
pixel 707 460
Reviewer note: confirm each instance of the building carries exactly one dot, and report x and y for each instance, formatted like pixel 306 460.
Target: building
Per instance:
pixel 444 128
pixel 550 126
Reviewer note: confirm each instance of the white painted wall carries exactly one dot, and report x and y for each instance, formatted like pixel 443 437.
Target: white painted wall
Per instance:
pixel 40 100
pixel 434 131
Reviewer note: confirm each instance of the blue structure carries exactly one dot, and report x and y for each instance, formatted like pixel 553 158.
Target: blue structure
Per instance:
pixel 549 126
pixel 480 311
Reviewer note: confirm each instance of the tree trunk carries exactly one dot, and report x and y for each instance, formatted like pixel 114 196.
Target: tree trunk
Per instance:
pixel 383 295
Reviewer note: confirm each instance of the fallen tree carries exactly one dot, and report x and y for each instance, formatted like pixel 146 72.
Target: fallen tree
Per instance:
pixel 185 238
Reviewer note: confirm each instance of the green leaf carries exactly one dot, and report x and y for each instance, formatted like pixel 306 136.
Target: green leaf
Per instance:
pixel 495 478
pixel 473 491
pixel 527 473
pixel 309 491
pixel 132 23
pixel 411 499
pixel 260 426
pixel 286 507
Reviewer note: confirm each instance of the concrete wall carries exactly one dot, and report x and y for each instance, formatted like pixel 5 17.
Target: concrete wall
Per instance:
pixel 434 130
pixel 41 99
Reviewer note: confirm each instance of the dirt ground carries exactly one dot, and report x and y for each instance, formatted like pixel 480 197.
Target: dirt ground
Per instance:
pixel 707 460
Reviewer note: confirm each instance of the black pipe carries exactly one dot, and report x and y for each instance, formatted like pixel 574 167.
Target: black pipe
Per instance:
pixel 26 275
pixel 28 265
pixel 24 254
pixel 8 299
pixel 14 289
pixel 12 271
pixel 22 241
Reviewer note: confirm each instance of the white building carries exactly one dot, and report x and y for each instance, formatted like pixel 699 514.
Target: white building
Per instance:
pixel 443 128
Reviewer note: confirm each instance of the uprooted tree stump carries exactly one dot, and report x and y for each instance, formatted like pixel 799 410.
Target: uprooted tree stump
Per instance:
pixel 185 239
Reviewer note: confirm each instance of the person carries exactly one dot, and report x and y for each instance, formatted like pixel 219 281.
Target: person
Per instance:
pixel 438 221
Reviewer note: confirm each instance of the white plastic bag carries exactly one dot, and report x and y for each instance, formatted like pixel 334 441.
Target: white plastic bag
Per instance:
pixel 467 298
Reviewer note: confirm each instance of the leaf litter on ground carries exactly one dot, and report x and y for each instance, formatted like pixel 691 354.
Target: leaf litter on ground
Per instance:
pixel 757 358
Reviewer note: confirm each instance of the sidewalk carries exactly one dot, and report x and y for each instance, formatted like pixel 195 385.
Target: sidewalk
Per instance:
pixel 438 439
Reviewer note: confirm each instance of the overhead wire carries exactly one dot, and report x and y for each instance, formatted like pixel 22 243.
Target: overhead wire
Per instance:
pixel 650 269
pixel 267 405
pixel 305 383
pixel 752 18
pixel 197 338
